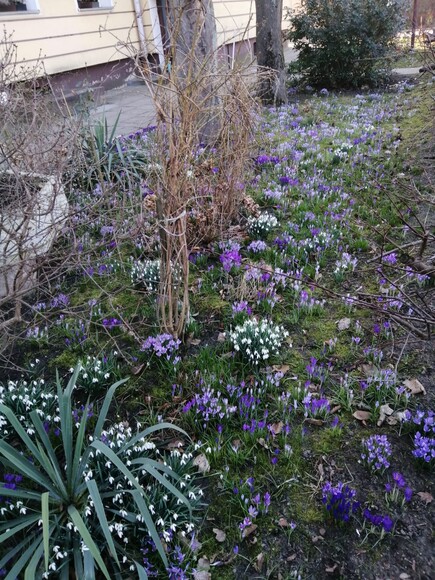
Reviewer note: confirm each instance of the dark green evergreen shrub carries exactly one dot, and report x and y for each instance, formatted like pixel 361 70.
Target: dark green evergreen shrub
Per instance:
pixel 343 43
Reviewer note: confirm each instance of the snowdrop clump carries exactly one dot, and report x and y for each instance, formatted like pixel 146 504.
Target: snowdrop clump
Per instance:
pixel 257 341
pixel 259 227
pixel 146 273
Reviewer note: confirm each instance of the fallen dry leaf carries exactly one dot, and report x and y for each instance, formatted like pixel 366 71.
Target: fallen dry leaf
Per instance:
pixel 280 368
pixel 331 569
pixel 404 576
pixel 201 462
pixel 384 412
pixel 425 496
pixel 221 337
pixel 137 370
pixel 393 420
pixel 276 428
pixel 220 535
pixel 195 341
pixel 249 530
pixel 414 386
pixel 344 323
pixel 291 558
pixel 260 562
pixel 263 443
pixel 283 523
pixel 202 570
pixel 362 415
pixel 312 421
pixel 368 369
pixel 236 445
pixel 175 444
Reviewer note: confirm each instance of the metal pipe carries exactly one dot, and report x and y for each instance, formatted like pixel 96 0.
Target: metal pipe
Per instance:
pixel 140 27
pixel 157 31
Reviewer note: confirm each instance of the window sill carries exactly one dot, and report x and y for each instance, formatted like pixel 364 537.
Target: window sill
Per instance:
pixel 99 9
pixel 19 13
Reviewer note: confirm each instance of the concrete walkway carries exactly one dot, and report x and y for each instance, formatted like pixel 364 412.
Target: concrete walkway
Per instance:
pixel 133 103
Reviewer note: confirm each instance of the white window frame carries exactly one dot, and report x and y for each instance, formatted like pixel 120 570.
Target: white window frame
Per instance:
pixel 102 5
pixel 32 7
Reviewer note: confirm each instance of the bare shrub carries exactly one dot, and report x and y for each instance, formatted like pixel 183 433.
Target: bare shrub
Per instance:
pixel 202 146
pixel 36 139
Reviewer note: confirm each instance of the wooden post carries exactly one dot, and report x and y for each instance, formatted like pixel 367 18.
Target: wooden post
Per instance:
pixel 414 22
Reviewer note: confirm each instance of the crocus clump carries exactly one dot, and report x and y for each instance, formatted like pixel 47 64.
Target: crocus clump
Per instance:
pixel 163 345
pixel 385 522
pixel 398 492
pixel 339 500
pixel 423 420
pixel 230 257
pixel 376 452
pixel 424 448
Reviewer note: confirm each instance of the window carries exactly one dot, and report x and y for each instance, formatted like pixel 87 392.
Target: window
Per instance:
pixel 18 6
pixel 86 5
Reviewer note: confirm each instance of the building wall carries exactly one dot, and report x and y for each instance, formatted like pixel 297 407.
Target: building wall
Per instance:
pixel 66 38
pixel 235 19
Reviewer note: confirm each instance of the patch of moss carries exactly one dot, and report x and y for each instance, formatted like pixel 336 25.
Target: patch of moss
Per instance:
pixel 66 360
pixel 327 441
pixel 305 510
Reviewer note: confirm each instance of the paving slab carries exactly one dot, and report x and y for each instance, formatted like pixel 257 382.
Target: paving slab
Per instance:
pixel 407 72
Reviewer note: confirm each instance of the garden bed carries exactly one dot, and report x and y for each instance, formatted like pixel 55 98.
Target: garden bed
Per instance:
pixel 306 440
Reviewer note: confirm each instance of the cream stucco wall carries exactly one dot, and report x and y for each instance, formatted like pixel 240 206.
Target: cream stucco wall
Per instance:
pixel 66 38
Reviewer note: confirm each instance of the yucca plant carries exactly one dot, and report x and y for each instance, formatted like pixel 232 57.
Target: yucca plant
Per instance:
pixel 84 500
pixel 109 158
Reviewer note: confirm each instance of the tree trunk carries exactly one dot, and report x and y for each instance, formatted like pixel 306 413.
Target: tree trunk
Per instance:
pixel 270 52
pixel 193 59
